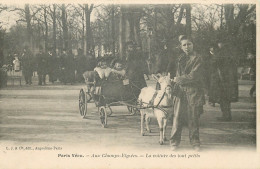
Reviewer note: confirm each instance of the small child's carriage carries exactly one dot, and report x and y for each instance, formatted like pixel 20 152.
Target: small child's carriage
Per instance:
pixel 107 92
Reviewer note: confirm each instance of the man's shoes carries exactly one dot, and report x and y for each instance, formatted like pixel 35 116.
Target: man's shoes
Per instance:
pixel 224 119
pixel 174 148
pixel 196 148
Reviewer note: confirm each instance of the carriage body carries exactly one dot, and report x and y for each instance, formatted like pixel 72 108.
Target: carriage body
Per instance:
pixel 106 92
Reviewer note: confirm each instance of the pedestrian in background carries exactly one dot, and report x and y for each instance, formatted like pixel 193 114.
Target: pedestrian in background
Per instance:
pixel 51 66
pixel 252 63
pixel 16 63
pixel 41 67
pixel 80 65
pixel 226 81
pixel 135 68
pixel 67 68
pixel 211 68
pixel 27 65
pixel 58 66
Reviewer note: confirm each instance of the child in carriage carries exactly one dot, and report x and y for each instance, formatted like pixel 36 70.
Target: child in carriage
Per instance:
pixel 116 71
pixel 102 69
pixel 104 72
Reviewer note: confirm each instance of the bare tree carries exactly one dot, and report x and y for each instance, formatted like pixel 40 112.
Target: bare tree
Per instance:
pixel 188 20
pixel 234 21
pixel 64 27
pixel 52 12
pixel 89 38
pixel 27 17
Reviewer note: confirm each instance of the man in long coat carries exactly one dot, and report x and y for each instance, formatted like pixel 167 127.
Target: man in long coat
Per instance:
pixel 52 66
pixel 67 68
pixel 41 67
pixel 226 81
pixel 27 65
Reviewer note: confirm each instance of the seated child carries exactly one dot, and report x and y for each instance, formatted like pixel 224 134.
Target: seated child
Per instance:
pixel 118 71
pixel 103 70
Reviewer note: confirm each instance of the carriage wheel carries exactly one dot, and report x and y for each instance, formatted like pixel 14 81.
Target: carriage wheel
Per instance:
pixel 110 112
pixel 82 103
pixel 88 97
pixel 103 116
pixel 131 110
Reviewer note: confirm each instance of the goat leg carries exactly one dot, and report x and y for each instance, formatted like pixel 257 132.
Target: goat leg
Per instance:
pixel 160 123
pixel 147 121
pixel 164 129
pixel 142 122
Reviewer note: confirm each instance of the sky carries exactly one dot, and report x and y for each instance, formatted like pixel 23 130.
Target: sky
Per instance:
pixel 9 18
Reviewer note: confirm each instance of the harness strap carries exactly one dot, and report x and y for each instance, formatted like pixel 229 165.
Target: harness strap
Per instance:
pixel 161 99
pixel 162 96
pixel 152 100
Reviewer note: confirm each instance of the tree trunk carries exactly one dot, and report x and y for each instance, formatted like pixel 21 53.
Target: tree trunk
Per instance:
pixel 29 26
pixel 137 29
pixel 46 30
pixel 221 17
pixel 113 31
pixel 129 27
pixel 89 37
pixel 54 29
pixel 155 21
pixel 188 20
pixel 83 33
pixel 122 34
pixel 65 28
pixel 133 28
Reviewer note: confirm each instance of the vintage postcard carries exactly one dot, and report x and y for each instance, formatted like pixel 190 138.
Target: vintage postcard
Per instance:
pixel 129 84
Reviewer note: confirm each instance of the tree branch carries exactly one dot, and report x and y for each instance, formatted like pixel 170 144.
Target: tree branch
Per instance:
pixel 91 8
pixel 180 15
pixel 17 9
pixel 251 9
pixel 35 12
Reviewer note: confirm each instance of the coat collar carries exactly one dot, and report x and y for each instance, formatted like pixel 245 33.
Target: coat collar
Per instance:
pixel 191 59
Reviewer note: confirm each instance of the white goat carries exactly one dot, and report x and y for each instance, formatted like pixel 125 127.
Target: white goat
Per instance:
pixel 162 105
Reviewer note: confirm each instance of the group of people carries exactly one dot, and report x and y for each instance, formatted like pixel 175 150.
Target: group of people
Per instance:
pixel 64 67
